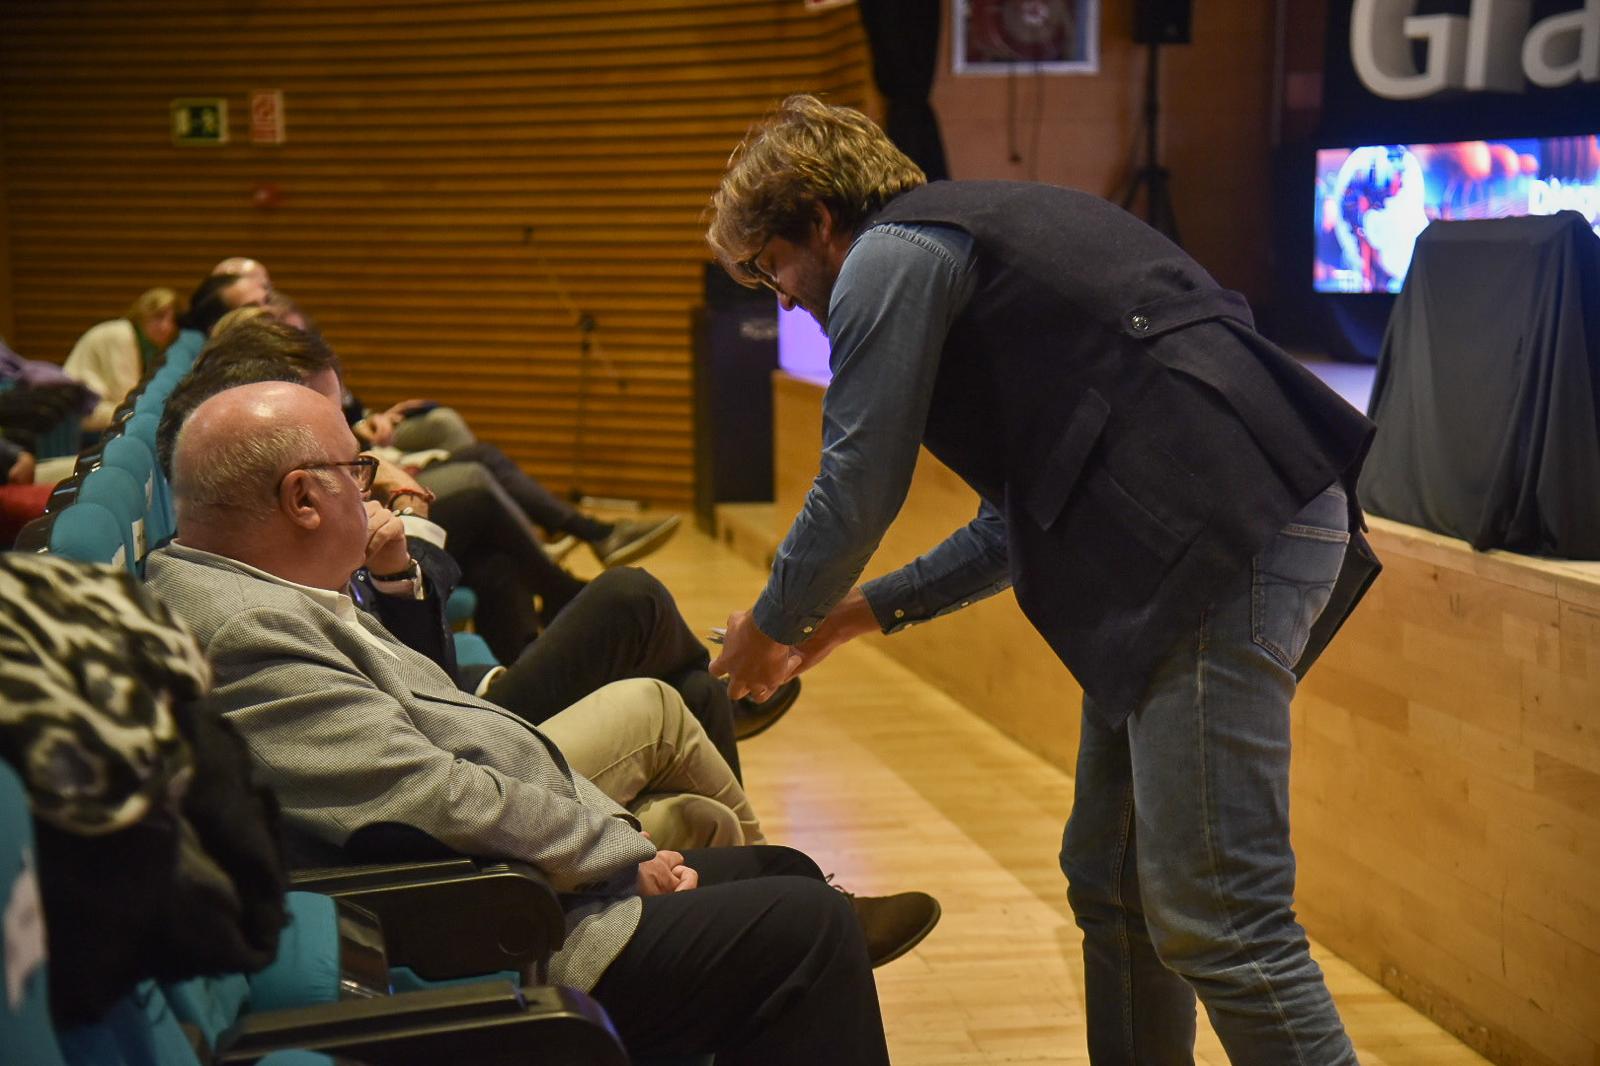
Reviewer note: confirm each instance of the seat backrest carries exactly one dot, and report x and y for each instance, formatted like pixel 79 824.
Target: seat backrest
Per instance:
pixel 25 1029
pixel 89 533
pixel 139 1030
pixel 128 452
pixel 306 971
pixel 185 349
pixel 117 492
pixel 144 427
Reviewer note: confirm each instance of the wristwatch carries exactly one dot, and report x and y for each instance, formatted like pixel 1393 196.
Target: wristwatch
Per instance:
pixel 412 573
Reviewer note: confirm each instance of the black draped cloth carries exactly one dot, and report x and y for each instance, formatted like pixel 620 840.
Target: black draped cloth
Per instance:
pixel 1487 396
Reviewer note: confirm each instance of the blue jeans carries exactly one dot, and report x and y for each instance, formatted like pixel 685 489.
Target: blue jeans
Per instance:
pixel 1177 853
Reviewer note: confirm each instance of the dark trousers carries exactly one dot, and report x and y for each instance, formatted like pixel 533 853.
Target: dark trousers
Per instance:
pixel 623 624
pixel 764 964
pixel 536 501
pixel 500 555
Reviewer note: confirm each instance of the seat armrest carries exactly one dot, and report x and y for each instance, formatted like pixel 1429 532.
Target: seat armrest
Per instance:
pixel 445 923
pixel 330 879
pixel 487 1024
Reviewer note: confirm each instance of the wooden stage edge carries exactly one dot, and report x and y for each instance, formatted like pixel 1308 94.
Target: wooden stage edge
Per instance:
pixel 1446 782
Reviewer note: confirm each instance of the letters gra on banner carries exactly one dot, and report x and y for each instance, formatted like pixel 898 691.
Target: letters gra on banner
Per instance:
pixel 1491 50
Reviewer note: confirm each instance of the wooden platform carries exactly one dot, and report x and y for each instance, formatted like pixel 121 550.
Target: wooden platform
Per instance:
pixel 1446 787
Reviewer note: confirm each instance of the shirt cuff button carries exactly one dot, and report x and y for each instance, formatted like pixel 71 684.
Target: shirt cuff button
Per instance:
pixel 808 629
pixel 898 613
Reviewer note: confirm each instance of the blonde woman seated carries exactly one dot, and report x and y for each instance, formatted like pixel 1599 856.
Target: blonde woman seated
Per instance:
pixel 113 356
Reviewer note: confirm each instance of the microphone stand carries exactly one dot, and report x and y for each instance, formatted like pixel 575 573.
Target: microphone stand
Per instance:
pixel 588 350
pixel 1154 178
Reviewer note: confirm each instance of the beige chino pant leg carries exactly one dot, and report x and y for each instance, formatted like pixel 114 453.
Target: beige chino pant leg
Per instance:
pixel 640 745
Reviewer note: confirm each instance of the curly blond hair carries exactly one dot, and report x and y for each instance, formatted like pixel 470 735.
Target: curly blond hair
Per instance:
pixel 802 154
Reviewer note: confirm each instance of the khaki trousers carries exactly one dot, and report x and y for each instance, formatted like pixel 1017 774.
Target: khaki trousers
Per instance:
pixel 640 745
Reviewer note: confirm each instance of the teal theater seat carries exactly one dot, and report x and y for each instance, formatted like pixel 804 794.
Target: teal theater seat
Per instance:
pixel 128 452
pixel 88 533
pixel 117 492
pixel 25 1029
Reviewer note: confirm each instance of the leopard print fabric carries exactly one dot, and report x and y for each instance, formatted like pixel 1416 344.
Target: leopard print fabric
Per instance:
pixel 91 666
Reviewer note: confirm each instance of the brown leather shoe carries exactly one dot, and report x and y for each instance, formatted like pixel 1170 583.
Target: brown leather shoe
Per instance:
pixel 893 925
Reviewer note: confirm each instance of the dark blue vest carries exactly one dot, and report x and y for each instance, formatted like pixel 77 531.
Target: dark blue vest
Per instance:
pixel 1117 405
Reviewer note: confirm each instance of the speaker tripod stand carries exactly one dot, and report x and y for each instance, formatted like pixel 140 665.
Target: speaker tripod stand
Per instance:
pixel 1153 178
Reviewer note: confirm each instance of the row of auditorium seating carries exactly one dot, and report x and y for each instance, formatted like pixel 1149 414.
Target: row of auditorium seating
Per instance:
pixel 116 504
pixel 422 947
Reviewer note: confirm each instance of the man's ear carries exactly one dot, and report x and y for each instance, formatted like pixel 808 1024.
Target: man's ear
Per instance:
pixel 298 499
pixel 825 221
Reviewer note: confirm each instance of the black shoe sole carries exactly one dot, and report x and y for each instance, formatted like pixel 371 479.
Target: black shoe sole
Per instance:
pixel 771 715
pixel 638 549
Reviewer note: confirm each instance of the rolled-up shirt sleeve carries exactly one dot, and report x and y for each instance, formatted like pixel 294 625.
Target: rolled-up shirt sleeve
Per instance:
pixel 896 296
pixel 969 565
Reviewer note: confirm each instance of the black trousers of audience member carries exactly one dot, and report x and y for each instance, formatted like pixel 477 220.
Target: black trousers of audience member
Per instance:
pixel 623 624
pixel 763 965
pixel 537 502
pixel 502 561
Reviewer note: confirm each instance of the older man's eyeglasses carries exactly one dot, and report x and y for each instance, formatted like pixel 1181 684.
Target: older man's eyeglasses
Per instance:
pixel 363 469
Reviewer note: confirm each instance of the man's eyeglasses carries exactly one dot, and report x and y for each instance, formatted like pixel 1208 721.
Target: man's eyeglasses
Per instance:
pixel 363 469
pixel 753 269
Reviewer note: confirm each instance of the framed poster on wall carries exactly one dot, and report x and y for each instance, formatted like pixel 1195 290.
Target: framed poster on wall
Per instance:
pixel 1036 36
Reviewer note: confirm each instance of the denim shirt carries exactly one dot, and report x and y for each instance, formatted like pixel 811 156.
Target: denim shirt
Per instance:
pixel 899 291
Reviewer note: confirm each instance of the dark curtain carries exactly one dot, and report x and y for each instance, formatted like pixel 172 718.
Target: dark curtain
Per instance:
pixel 904 36
pixel 1488 390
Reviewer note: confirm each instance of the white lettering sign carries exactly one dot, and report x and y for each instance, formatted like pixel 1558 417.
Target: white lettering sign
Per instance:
pixel 1492 49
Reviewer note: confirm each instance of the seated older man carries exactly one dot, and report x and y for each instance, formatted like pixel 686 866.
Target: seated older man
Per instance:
pixel 744 952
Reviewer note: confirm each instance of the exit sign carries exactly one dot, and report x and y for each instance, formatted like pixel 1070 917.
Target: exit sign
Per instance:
pixel 200 121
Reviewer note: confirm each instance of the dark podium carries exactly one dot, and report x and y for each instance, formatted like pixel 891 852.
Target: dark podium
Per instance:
pixel 1487 396
pixel 735 353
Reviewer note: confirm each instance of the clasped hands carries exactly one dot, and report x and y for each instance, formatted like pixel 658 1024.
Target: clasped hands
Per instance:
pixel 755 664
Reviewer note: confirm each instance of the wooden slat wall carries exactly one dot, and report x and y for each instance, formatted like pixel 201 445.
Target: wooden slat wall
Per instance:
pixel 7 322
pixel 458 178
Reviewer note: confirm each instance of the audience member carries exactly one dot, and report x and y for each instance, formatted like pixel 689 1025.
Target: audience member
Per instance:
pixel 21 501
pixel 741 952
pixel 418 425
pixel 250 269
pixel 113 356
pixel 634 740
pixel 219 294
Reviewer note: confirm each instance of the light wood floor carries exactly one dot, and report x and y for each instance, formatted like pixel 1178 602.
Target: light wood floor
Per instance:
pixel 892 785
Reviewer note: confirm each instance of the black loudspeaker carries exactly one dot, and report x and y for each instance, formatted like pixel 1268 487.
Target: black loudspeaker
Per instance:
pixel 735 353
pixel 1161 21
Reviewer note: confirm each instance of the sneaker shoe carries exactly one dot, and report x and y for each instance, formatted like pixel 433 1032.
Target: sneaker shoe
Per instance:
pixel 633 540
pixel 557 550
pixel 751 717
pixel 893 925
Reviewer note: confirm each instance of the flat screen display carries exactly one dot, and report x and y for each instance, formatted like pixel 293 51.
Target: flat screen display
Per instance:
pixel 802 346
pixel 1372 202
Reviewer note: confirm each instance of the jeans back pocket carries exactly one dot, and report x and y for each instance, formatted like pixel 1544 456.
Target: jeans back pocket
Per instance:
pixel 1293 576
